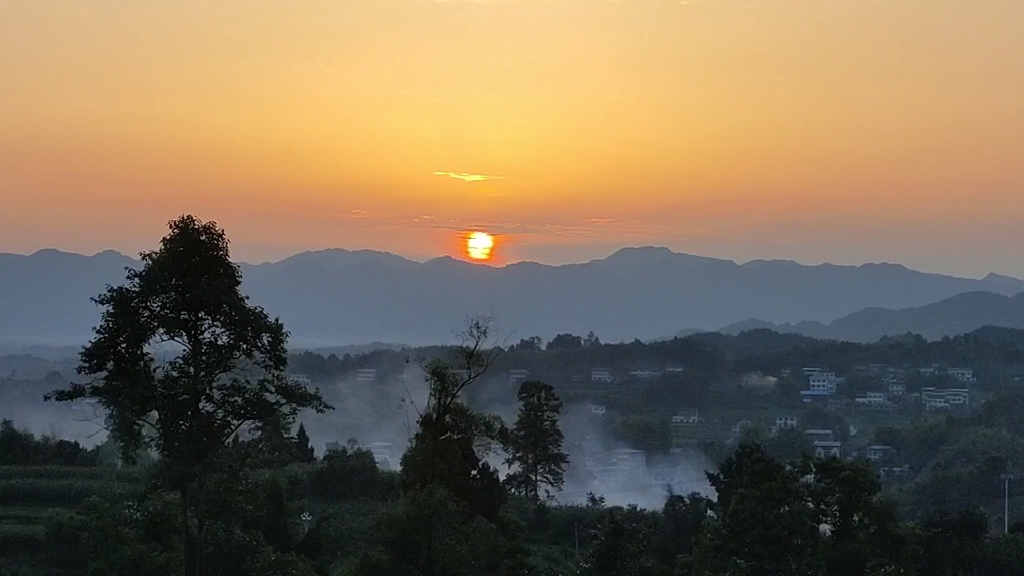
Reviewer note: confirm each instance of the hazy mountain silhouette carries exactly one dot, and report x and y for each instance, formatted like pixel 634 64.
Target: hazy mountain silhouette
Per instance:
pixel 337 297
pixel 958 314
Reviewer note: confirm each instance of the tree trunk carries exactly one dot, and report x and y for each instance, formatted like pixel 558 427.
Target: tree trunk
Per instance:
pixel 186 534
pixel 200 529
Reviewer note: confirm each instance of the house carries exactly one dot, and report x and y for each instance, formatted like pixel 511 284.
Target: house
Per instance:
pixel 874 400
pixel 645 374
pixel 741 427
pixel 785 422
pixel 827 449
pixel 300 379
pixel 366 375
pixel 819 435
pixel 877 452
pixel 928 371
pixel 962 374
pixel 897 389
pixel 597 410
pixel 601 375
pixel 381 454
pixel 813 396
pixel 689 417
pixel 630 459
pixel 938 399
pixel 517 377
pixel 823 382
pixel 894 472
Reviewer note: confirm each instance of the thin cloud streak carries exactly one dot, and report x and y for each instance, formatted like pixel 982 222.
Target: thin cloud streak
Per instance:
pixel 468 177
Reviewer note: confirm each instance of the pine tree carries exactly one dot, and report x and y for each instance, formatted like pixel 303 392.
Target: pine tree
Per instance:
pixel 305 449
pixel 535 443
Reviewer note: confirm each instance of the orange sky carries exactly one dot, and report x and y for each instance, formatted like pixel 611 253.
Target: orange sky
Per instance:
pixel 819 130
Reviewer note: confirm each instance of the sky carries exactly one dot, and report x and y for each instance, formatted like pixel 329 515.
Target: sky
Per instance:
pixel 814 130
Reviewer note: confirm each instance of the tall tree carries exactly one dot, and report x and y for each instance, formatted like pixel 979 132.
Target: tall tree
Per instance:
pixel 221 368
pixel 306 452
pixel 445 451
pixel 535 442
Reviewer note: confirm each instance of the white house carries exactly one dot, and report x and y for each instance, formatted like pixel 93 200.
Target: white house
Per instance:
pixel 601 375
pixel 381 454
pixel 897 388
pixel 823 382
pixel 366 375
pixel 826 449
pixel 873 400
pixel 877 452
pixel 962 374
pixel 516 377
pixel 935 399
pixel 785 422
pixel 645 374
pixel 740 427
pixel 597 410
pixel 819 435
pixel 688 417
pixel 630 459
pixel 301 379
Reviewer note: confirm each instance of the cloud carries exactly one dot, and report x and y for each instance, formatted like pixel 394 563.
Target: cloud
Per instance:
pixel 468 177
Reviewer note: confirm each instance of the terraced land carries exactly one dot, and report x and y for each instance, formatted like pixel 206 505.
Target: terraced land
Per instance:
pixel 30 495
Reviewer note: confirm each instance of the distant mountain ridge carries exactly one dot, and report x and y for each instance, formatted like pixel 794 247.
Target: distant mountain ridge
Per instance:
pixel 959 314
pixel 339 297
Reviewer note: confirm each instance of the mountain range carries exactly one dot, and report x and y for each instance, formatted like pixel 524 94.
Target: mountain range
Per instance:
pixel 958 314
pixel 337 297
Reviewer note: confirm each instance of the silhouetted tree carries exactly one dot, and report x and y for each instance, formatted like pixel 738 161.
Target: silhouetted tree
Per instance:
pixel 226 373
pixel 305 449
pixel 443 451
pixel 565 342
pixel 535 442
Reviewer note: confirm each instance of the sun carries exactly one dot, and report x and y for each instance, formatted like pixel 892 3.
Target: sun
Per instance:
pixel 479 245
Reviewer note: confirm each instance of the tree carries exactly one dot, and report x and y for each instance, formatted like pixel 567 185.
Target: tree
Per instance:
pixel 565 342
pixel 225 371
pixel 305 449
pixel 444 451
pixel 531 344
pixel 762 524
pixel 535 442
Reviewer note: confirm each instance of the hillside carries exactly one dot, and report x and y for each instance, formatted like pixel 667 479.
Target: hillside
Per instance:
pixel 958 314
pixel 338 297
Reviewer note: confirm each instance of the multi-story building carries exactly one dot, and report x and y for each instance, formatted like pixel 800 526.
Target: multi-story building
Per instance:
pixel 937 399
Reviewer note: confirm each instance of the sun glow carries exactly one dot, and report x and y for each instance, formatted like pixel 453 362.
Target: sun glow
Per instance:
pixel 479 245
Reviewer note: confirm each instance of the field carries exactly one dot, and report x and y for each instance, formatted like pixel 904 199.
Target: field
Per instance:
pixel 31 495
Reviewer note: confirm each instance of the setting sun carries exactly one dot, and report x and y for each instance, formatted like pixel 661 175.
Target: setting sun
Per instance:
pixel 479 245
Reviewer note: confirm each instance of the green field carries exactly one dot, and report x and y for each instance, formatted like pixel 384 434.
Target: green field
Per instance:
pixel 29 496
